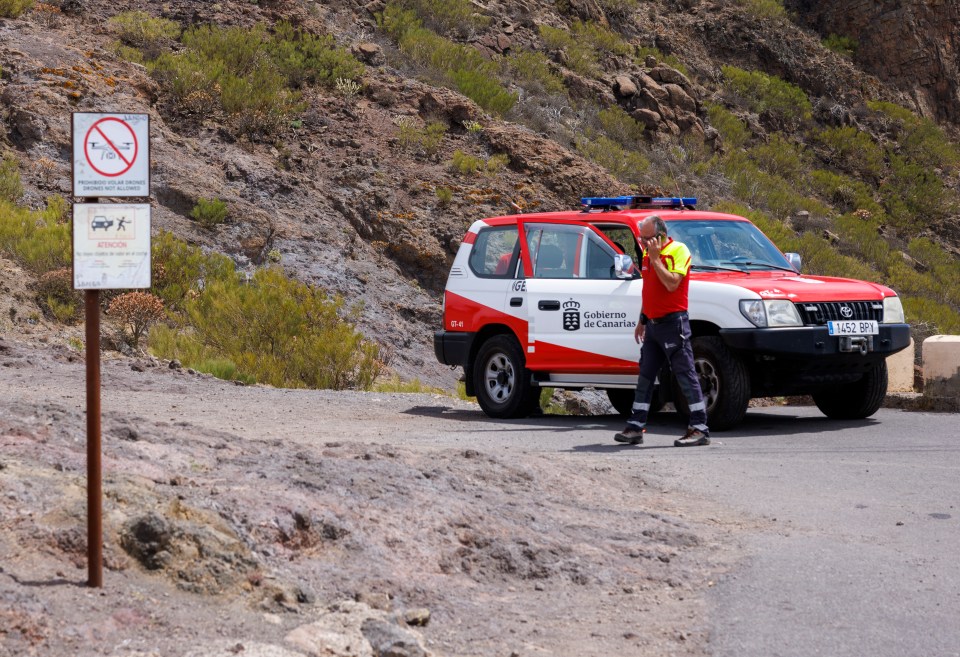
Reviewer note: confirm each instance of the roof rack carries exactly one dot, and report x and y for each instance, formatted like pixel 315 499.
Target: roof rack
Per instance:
pixel 607 203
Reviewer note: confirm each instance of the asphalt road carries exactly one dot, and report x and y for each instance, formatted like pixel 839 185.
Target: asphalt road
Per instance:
pixel 857 548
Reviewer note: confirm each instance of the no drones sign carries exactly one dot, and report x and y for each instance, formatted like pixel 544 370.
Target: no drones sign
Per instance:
pixel 111 154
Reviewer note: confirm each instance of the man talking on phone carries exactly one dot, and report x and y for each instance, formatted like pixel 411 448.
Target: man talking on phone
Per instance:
pixel 664 334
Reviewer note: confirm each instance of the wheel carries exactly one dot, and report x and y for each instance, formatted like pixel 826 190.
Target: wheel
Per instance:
pixel 724 381
pixel 622 400
pixel 501 380
pixel 857 400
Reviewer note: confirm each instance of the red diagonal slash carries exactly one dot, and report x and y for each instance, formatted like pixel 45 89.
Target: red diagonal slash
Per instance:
pixel 115 149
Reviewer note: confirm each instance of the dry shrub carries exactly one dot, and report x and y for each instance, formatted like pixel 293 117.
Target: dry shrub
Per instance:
pixel 137 311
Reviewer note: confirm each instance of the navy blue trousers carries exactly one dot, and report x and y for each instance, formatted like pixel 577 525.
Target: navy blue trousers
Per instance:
pixel 668 340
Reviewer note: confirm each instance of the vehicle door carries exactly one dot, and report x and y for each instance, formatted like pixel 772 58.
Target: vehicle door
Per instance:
pixel 581 316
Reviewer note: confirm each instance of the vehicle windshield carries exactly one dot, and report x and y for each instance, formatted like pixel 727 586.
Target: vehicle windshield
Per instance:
pixel 719 244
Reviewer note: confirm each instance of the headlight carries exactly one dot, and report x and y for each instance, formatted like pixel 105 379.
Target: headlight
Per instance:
pixel 770 312
pixel 893 311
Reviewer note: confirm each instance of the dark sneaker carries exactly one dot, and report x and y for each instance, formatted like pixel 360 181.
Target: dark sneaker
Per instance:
pixel 693 438
pixel 630 435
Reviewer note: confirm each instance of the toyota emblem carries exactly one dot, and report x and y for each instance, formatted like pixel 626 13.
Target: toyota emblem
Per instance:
pixel 846 311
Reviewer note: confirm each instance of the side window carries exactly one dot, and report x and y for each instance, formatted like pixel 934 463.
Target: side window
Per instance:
pixel 495 252
pixel 553 250
pixel 563 251
pixel 599 260
pixel 623 237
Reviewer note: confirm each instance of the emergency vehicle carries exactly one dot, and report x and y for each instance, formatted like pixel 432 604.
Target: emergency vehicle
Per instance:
pixel 552 300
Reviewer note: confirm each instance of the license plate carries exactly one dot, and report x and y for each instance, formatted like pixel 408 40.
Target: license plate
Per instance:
pixel 854 327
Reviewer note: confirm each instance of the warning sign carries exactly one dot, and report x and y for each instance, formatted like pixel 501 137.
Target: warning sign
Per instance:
pixel 111 246
pixel 111 154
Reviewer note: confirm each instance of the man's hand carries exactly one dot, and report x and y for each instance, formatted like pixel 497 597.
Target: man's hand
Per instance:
pixel 639 332
pixel 652 246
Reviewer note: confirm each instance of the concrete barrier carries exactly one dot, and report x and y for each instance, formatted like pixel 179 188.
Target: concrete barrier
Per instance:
pixel 941 368
pixel 900 370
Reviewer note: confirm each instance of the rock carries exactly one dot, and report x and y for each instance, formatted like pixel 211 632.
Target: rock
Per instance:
pixel 648 118
pixel 680 98
pixel 417 617
pixel 669 75
pixel 449 104
pixel 175 364
pixel 389 640
pixel 368 53
pixel 147 539
pixel 624 86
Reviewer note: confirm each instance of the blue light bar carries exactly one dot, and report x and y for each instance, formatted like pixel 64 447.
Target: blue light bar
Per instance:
pixel 672 201
pixel 636 202
pixel 606 201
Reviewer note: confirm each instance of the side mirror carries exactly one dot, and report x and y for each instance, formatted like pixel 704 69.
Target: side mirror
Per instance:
pixel 794 260
pixel 623 266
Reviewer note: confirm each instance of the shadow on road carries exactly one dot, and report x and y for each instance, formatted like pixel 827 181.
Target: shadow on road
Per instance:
pixel 757 423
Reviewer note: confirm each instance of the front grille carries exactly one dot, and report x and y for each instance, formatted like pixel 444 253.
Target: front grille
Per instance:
pixel 821 312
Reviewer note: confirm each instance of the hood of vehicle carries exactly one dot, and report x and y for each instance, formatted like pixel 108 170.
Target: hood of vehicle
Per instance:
pixel 798 288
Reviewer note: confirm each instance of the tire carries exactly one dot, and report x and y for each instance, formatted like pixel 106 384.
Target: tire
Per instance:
pixel 724 381
pixel 857 400
pixel 622 400
pixel 502 381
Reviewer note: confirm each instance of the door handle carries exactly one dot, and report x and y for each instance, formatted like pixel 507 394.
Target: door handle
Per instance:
pixel 548 305
pixel 516 302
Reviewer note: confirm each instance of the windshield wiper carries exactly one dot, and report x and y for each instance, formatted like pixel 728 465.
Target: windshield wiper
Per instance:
pixel 715 268
pixel 761 263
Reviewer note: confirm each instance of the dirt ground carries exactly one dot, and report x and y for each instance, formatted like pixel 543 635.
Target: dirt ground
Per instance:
pixel 260 521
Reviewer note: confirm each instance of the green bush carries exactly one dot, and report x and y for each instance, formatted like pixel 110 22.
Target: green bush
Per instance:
pixel 223 369
pixel 480 86
pixel 250 74
pixel 181 270
pixel 781 158
pixel 532 70
pixel 860 238
pixel 621 127
pixel 856 151
pixel 623 164
pixel 765 8
pixel 914 196
pixel 283 333
pixel 785 104
pixel 55 294
pixel 11 187
pixel 601 38
pixel 140 30
pixel 444 196
pixel 458 17
pixel 842 45
pixel 844 192
pixel 210 212
pixel 414 137
pixel 467 164
pixel 734 132
pixel 14 8
pixel 579 55
pixel 39 240
pixel 305 58
pixel 457 66
pixel 767 191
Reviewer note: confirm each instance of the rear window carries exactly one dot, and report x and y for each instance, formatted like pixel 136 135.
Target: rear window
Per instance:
pixel 495 253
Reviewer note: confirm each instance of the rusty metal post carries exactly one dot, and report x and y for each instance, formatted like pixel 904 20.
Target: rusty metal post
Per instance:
pixel 94 470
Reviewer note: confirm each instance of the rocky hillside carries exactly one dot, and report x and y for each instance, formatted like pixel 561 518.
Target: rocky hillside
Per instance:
pixel 366 187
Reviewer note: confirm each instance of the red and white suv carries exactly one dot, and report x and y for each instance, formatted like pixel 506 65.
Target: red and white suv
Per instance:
pixel 552 299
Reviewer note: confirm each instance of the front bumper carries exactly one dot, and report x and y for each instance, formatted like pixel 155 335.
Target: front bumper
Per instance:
pixel 804 360
pixel 814 342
